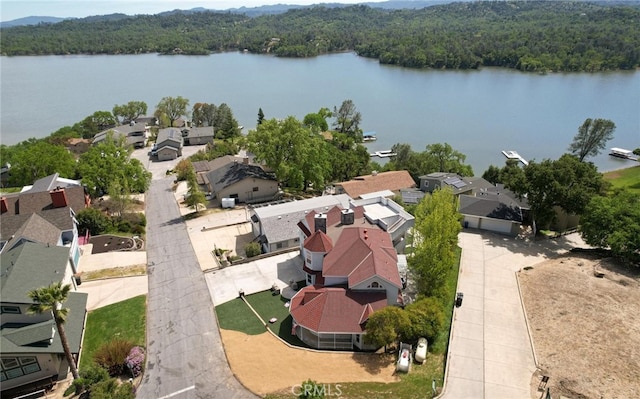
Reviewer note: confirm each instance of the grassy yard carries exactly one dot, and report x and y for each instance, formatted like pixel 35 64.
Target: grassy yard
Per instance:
pixel 236 315
pixel 126 319
pixel 629 178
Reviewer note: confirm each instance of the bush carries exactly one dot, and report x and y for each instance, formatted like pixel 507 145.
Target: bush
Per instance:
pixel 135 361
pixel 93 220
pixel 112 356
pixel 79 385
pixel 94 374
pixel 252 249
pixel 110 389
pixel 427 319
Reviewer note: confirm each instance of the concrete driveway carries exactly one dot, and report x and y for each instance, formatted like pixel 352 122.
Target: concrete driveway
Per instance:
pixel 224 284
pixel 490 352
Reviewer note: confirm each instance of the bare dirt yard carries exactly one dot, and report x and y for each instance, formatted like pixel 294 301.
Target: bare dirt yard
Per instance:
pixel 583 315
pixel 265 365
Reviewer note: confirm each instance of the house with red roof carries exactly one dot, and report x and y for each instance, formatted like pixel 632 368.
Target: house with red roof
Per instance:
pixel 351 265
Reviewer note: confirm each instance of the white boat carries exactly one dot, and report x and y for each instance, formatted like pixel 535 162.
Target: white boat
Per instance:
pixel 369 137
pixel 383 154
pixel 622 153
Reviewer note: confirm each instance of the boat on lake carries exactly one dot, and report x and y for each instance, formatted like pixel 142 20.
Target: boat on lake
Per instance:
pixel 622 153
pixel 515 155
pixel 369 136
pixel 383 154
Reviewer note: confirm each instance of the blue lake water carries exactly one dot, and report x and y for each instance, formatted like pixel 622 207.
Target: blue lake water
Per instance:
pixel 480 113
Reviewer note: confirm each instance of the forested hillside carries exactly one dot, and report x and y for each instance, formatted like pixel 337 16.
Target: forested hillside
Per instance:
pixel 530 36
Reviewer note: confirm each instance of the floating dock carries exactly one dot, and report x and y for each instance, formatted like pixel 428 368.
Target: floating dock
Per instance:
pixel 369 136
pixel 622 153
pixel 515 155
pixel 383 154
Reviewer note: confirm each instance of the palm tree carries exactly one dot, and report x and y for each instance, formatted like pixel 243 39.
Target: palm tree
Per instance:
pixel 50 299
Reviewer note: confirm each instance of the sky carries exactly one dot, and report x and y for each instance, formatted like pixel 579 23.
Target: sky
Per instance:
pixel 14 9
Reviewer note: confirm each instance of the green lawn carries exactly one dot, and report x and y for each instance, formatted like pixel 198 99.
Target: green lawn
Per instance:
pixel 236 315
pixel 126 319
pixel 629 178
pixel 268 306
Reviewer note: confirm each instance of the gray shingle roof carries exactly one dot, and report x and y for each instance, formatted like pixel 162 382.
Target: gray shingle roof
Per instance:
pixel 12 341
pixel 490 207
pixel 234 172
pixel 36 229
pixel 169 137
pixel 30 266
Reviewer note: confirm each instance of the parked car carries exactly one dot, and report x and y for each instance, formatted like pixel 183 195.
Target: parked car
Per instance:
pixel 404 358
pixel 421 351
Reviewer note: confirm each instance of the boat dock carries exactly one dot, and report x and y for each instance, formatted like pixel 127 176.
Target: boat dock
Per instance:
pixel 369 136
pixel 622 153
pixel 515 155
pixel 383 154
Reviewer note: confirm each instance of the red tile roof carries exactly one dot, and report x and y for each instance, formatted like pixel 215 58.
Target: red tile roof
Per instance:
pixel 394 180
pixel 361 253
pixel 335 309
pixel 318 242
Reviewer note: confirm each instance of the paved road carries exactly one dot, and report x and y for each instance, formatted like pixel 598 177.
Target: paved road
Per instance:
pixel 185 358
pixel 490 353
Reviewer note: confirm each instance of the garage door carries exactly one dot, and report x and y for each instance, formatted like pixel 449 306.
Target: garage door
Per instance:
pixel 497 225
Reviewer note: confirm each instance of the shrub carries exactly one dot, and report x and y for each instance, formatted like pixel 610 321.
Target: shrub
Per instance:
pixel 79 385
pixel 110 389
pixel 94 374
pixel 112 356
pixel 135 360
pixel 93 220
pixel 252 249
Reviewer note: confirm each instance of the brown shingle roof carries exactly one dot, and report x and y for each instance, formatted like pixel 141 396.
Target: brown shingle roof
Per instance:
pixel 335 309
pixel 394 180
pixel 318 242
pixel 361 253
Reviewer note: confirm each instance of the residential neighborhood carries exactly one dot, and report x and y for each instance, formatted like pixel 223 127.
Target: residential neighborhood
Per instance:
pixel 327 262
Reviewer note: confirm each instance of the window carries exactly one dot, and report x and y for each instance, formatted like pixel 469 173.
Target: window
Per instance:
pixel 279 245
pixel 13 367
pixel 375 284
pixel 256 189
pixel 11 309
pixel 309 279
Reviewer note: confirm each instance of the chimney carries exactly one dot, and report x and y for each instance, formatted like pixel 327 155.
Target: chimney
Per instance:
pixel 4 205
pixel 59 198
pixel 347 216
pixel 320 222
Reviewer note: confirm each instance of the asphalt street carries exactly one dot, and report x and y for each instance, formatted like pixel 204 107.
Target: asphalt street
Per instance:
pixel 185 358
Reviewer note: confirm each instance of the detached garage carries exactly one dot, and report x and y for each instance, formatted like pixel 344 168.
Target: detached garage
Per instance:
pixel 491 214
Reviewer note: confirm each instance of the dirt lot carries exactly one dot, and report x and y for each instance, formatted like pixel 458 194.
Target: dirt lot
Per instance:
pixel 265 365
pixel 585 328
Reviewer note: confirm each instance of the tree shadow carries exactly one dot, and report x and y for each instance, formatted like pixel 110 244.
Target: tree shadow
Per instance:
pixel 373 362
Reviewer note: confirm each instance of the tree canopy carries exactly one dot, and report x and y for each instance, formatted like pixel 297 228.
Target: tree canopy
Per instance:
pixel 435 240
pixel 592 137
pixel 436 158
pixel 613 222
pixel 130 111
pixel 108 162
pixel 170 109
pixel 535 36
pixel 348 120
pixel 33 160
pixel 566 183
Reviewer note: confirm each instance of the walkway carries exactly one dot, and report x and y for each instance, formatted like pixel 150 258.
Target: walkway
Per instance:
pixel 490 353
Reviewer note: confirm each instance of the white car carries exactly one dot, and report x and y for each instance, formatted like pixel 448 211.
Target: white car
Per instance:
pixel 421 351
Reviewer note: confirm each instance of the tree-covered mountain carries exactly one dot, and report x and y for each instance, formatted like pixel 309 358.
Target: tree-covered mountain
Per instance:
pixel 535 36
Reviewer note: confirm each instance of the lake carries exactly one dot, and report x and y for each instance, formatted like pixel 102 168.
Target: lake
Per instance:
pixel 480 113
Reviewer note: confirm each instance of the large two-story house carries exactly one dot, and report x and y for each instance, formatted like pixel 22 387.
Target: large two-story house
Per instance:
pixel 352 270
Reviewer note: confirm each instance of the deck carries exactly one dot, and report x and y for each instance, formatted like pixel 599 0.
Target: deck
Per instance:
pixel 515 155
